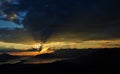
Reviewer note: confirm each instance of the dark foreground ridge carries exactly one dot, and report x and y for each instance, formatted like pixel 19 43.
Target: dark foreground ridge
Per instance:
pixel 5 57
pixel 101 61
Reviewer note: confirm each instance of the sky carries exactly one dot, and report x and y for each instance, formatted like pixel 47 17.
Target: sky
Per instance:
pixel 30 22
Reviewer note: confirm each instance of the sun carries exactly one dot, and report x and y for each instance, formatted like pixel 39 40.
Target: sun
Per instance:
pixel 37 46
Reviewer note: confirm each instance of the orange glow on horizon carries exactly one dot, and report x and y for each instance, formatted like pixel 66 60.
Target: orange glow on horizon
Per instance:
pixel 30 53
pixel 52 46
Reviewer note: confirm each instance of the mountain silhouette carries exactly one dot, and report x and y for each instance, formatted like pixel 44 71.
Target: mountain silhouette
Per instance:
pixel 5 57
pixel 66 53
pixel 86 56
pixel 100 56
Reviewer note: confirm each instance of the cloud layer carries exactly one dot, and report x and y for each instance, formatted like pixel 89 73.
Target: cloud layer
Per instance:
pixel 66 20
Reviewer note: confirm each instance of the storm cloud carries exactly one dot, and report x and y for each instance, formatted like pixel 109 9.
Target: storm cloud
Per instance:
pixel 71 20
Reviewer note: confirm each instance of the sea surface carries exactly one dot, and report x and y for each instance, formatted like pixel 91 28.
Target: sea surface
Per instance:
pixel 31 60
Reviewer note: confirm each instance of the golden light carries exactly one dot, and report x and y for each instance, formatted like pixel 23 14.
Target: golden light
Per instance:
pixel 15 46
pixel 41 48
pixel 30 53
pixel 53 46
pixel 37 46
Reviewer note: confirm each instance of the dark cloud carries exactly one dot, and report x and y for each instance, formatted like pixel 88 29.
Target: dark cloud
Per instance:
pixel 93 19
pixel 72 19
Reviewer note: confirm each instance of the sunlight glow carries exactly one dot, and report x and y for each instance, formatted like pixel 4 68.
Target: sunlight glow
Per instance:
pixel 52 46
pixel 15 46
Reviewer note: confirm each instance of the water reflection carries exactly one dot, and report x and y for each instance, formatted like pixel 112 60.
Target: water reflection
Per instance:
pixel 41 61
pixel 29 60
